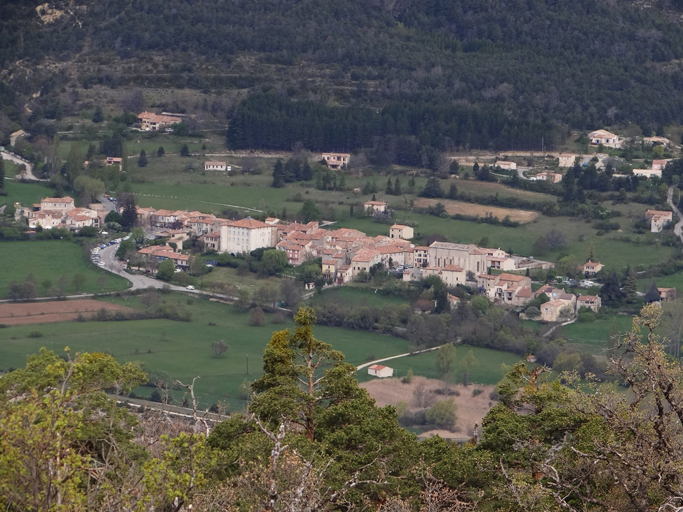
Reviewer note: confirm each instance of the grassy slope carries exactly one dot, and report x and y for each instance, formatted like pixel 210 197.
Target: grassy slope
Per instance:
pixel 489 370
pixel 24 193
pixel 184 350
pixel 50 260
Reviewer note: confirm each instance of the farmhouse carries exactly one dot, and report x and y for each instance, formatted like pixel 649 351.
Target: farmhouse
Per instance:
pixel 112 160
pixel 658 219
pixel 215 166
pixel 648 173
pixel 552 177
pixel 375 206
pixel 552 310
pixel 591 268
pixel 164 252
pixel 149 121
pixel 658 165
pixel 605 138
pixel 336 160
pixel 378 370
pixel 567 159
pixel 401 231
pixel 592 302
pixel 60 204
pixel 363 260
pixel 667 294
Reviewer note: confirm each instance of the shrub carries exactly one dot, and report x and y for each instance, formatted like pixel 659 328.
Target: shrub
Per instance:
pixel 35 334
pixel 477 392
pixel 442 414
pixel 257 317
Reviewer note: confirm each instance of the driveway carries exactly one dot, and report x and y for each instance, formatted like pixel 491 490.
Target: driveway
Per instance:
pixel 18 160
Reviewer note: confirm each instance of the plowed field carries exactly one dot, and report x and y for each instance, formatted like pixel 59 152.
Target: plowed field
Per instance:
pixel 54 311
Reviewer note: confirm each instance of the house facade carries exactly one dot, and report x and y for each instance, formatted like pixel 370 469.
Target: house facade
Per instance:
pixel 215 166
pixel 567 159
pixel 659 219
pixel 505 165
pixel 468 256
pixel 336 160
pixel 605 138
pixel 401 231
pixel 246 235
pixel 149 121
pixel 591 268
pixel 381 371
pixel 60 204
pixel 592 302
pixel 374 206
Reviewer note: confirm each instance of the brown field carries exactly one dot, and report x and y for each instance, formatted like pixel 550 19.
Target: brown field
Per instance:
pixel 56 311
pixel 478 210
pixel 470 409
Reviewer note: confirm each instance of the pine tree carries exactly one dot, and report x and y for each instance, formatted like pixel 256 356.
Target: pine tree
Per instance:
pixel 475 169
pixel 432 188
pixel 278 175
pixel 306 172
pixel 142 160
pixel 184 151
pixel 98 116
pixel 342 182
pixel 452 191
pixel 630 285
pixel 390 188
pixel 2 173
pixel 160 151
pixel 653 294
pixel 397 188
pixel 591 255
pixel 411 183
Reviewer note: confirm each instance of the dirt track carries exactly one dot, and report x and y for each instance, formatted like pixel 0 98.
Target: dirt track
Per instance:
pixel 57 311
pixel 477 210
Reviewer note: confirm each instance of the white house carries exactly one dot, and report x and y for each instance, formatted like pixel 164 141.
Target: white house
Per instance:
pixel 648 173
pixel 246 235
pixel 336 160
pixel 378 370
pixel 605 138
pixel 375 206
pixel 215 166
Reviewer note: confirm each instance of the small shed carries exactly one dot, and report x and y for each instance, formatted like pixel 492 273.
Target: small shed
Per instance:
pixel 381 371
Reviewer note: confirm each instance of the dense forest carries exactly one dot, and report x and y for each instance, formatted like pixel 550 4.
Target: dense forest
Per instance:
pixel 465 73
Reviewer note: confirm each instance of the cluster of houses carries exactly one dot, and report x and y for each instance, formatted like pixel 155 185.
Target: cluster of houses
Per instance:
pixel 61 212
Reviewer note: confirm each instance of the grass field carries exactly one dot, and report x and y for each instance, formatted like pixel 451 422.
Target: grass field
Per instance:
pixel 24 193
pixel 182 349
pixel 489 370
pixel 596 334
pixel 249 281
pixel 48 260
pixel 355 296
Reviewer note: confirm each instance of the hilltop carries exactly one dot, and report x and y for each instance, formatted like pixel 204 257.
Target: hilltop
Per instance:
pixel 466 73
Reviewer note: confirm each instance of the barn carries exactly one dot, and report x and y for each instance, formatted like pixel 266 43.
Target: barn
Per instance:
pixel 378 370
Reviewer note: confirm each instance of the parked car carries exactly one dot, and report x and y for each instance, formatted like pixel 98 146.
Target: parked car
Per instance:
pixel 190 287
pixel 103 246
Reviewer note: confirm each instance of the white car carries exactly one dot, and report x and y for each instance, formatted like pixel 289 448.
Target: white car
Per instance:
pixel 100 264
pixel 190 287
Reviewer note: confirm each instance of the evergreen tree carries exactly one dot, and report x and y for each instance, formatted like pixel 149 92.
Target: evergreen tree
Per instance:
pixel 160 151
pixel 390 188
pixel 129 216
pixel 2 173
pixel 142 160
pixel 452 192
pixel 184 151
pixel 610 293
pixel 278 175
pixel 74 164
pixel 411 183
pixel 454 167
pixel 630 285
pixel 432 188
pixel 342 182
pixel 475 169
pixel 653 294
pixel 306 172
pixel 397 187
pixel 92 151
pixel 98 116
pixel 374 198
pixel 591 255
pixel 568 185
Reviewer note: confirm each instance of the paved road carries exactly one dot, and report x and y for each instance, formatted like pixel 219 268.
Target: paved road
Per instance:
pixel 108 257
pixel 18 160
pixel 678 228
pixel 109 205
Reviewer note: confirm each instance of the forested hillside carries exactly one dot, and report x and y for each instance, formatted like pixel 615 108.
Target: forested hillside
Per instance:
pixel 491 73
